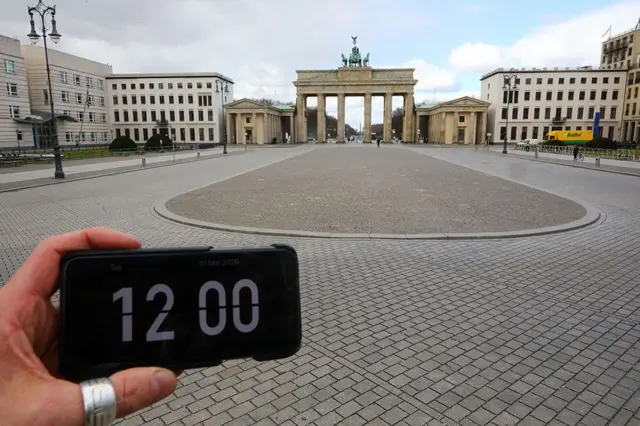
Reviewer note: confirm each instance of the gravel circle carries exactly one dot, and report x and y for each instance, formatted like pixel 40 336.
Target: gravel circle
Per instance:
pixel 374 190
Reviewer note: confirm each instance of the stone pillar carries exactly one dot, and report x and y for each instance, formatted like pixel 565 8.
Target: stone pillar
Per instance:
pixel 341 117
pixel 483 128
pixel 367 118
pixel 255 129
pixel 292 128
pixel 239 130
pixel 229 130
pixel 407 125
pixel 301 106
pixel 448 127
pixel 322 125
pixel 386 135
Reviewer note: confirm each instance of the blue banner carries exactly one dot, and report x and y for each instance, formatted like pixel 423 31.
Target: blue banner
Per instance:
pixel 596 126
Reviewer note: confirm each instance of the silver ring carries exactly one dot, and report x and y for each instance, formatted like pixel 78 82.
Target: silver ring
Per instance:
pixel 99 399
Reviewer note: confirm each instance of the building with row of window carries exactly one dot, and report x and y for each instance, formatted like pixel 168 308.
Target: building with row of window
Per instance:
pixel 187 107
pixel 552 99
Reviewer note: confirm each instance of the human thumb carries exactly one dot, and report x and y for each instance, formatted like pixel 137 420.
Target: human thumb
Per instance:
pixel 141 387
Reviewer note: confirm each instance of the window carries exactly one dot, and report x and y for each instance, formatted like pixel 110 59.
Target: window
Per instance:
pixel 613 113
pixel 560 81
pixel 605 80
pixel 105 136
pixel 549 95
pixel 163 115
pixel 101 101
pixel 154 117
pixel 80 115
pixel 581 95
pixel 123 86
pixel 616 80
pixel 191 115
pixel 161 98
pixel 189 85
pixel 180 99
pixel 141 86
pixel 210 116
pixel 504 115
pixel 63 77
pixel 179 85
pixel 172 115
pixel 68 137
pixel 114 86
pixel 503 133
pixel 248 119
pixel 525 113
pixel 115 100
pixel 527 96
pixel 583 80
pixel 592 95
pixel 545 131
pixel 200 115
pixel 118 133
pixel 603 95
pixel 124 100
pixel 116 116
pixel 547 113
pixel 152 99
pixel 570 95
pixel 580 113
pixel 594 80
pixel 514 133
pixel 527 81
pixel 92 117
pixel 590 113
pixel 559 95
pixel 134 99
pixel 210 85
pixel 192 133
pixel 90 100
pixel 181 115
pixel 9 66
pixel 144 115
pixel 550 81
pixel 89 82
pixel 589 127
pixel 12 89
pixel 125 116
pixel 169 85
pixel 603 111
pixel 190 99
pixel 199 85
pixel 614 95
pixel 558 113
pixel 572 80
pixel 76 79
pixel 134 115
pixel 143 99
pixel 151 86
pixel 538 81
pixel 210 128
pixel 127 133
pixel 136 134
pixel 569 113
pixel 514 114
pixel 536 113
pixel 171 99
pixel 523 133
pixel 538 96
pixel 100 84
pixel 78 98
pixel 160 85
pixel 534 132
pixel 145 133
pixel 14 111
pixel 103 117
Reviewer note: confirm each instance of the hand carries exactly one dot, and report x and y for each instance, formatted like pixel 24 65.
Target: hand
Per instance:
pixel 31 393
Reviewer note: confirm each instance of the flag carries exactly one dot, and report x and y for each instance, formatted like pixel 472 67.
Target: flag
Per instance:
pixel 607 32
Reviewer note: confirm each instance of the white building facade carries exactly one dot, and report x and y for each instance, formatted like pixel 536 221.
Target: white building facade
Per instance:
pixel 79 93
pixel 187 107
pixel 549 99
pixel 14 97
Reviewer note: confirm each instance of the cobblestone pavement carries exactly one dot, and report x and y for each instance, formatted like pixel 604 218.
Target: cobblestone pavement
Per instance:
pixel 363 190
pixel 540 330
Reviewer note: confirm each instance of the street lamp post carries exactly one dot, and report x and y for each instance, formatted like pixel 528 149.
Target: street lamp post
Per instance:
pixel 18 138
pixel 510 86
pixel 42 11
pixel 219 89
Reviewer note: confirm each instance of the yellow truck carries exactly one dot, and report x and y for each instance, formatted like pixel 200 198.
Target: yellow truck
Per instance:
pixel 571 137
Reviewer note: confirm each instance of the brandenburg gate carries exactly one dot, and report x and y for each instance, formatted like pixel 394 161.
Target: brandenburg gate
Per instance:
pixel 355 78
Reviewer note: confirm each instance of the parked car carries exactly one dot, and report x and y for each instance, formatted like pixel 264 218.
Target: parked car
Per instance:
pixel 528 143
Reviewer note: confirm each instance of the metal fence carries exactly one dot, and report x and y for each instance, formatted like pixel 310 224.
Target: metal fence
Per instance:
pixel 610 154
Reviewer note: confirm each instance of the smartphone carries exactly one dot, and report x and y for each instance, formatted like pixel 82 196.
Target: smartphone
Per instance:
pixel 176 308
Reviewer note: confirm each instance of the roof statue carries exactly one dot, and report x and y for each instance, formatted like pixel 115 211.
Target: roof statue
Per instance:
pixel 355 59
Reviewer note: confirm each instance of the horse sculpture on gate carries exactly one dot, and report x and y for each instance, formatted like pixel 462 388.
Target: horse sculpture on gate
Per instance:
pixel 355 59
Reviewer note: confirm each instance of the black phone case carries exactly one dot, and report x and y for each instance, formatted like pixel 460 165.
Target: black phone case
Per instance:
pixel 74 373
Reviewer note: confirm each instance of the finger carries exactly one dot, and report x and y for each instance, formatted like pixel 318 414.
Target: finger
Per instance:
pixel 138 388
pixel 39 273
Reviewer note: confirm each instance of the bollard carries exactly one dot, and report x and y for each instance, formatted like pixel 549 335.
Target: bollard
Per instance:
pixel 597 161
pixel 144 161
pixel 198 156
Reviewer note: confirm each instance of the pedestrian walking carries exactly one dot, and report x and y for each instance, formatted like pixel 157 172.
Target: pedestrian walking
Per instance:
pixel 378 142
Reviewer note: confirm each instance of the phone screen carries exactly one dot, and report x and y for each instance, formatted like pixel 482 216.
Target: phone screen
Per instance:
pixel 178 310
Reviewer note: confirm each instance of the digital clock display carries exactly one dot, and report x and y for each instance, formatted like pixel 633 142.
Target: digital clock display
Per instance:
pixel 177 309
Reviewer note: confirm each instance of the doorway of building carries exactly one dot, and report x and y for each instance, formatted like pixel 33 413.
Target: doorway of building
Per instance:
pixel 249 135
pixel 461 135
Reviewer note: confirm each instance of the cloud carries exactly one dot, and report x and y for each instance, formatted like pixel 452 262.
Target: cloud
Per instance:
pixel 567 42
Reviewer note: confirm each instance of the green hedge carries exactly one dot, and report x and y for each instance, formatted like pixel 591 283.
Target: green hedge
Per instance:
pixel 601 143
pixel 158 142
pixel 123 143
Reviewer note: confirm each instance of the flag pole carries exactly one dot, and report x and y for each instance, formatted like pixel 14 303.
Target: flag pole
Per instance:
pixel 84 111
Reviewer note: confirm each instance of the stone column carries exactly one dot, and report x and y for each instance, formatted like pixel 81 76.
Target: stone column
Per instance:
pixel 386 135
pixel 407 125
pixel 367 118
pixel 473 127
pixel 239 130
pixel 255 132
pixel 448 127
pixel 483 127
pixel 341 115
pixel 300 120
pixel 322 125
pixel 229 130
pixel 292 128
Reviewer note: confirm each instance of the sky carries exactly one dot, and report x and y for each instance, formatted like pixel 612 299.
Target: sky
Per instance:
pixel 261 43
